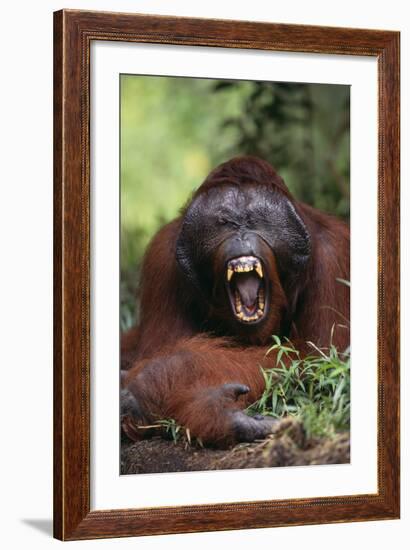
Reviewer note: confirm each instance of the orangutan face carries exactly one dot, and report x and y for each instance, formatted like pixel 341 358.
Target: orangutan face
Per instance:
pixel 235 241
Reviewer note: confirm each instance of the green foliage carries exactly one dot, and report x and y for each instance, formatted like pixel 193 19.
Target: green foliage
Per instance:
pixel 173 429
pixel 170 140
pixel 303 130
pixel 177 432
pixel 314 388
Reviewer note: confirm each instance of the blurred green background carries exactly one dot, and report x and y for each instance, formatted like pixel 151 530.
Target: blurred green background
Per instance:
pixel 175 130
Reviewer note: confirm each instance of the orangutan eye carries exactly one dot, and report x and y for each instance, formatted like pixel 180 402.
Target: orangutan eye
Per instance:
pixel 225 222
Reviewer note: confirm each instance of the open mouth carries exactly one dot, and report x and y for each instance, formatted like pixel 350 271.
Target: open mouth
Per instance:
pixel 246 288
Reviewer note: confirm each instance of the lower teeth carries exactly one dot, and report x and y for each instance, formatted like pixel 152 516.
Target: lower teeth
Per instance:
pixel 248 318
pixel 243 317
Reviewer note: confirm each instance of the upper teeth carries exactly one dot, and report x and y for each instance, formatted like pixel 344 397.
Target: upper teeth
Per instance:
pixel 244 264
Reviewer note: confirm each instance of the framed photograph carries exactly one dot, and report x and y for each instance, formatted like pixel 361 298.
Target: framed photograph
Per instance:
pixel 226 275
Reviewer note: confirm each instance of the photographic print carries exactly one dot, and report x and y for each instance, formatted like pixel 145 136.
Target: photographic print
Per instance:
pixel 201 217
pixel 235 274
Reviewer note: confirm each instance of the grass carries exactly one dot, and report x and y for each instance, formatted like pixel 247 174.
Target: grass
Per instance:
pixel 174 431
pixel 316 388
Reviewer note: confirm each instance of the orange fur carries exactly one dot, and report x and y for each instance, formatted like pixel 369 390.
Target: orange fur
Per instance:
pixel 180 354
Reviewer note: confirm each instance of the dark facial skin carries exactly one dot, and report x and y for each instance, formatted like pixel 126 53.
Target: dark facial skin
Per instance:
pixel 235 240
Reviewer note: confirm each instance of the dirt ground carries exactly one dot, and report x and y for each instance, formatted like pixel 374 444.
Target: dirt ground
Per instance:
pixel 287 446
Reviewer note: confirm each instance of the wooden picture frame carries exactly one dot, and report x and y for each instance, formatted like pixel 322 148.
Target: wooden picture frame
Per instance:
pixel 74 32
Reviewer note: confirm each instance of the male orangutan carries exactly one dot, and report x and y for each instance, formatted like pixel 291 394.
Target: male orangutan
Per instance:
pixel 244 261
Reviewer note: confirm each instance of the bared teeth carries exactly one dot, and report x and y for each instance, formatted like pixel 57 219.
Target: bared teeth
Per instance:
pixel 258 269
pixel 245 264
pixel 252 318
pixel 247 319
pixel 261 299
pixel 238 306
